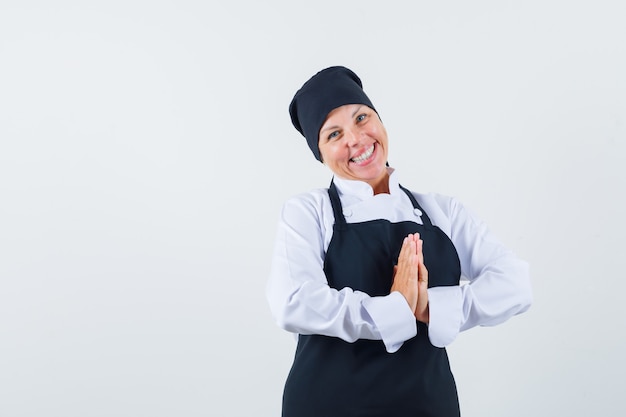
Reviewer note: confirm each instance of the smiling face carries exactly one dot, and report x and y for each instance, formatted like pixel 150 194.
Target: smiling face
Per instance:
pixel 353 144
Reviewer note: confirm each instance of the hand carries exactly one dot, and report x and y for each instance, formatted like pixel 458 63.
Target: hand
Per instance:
pixel 405 277
pixel 421 309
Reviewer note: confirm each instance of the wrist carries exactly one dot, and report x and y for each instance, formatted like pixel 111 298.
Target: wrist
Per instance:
pixel 423 316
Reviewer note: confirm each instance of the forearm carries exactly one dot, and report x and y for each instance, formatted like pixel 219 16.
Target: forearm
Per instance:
pixel 302 302
pixel 488 300
pixel 350 315
pixel 498 287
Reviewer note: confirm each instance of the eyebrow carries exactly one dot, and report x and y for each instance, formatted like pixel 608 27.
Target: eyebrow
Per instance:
pixel 336 127
pixel 329 128
pixel 357 110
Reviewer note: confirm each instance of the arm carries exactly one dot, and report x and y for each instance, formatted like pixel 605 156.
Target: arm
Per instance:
pixel 499 286
pixel 301 300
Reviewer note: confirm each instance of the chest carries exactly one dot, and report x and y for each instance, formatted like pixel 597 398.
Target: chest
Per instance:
pixel 362 255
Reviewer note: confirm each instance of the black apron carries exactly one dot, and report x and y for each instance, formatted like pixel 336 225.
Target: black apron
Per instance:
pixel 333 378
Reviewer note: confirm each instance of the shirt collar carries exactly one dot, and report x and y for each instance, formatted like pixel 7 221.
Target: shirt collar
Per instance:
pixel 363 190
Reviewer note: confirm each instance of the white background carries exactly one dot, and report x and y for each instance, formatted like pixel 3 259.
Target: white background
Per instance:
pixel 146 149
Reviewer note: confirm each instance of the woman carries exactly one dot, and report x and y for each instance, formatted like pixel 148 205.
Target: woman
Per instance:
pixel 367 272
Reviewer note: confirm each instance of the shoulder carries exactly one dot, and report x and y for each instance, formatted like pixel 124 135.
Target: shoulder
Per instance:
pixel 308 200
pixel 436 202
pixel 446 212
pixel 311 205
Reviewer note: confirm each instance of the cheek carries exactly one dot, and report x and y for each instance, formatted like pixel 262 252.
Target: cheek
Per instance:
pixel 381 134
pixel 326 154
pixel 374 131
pixel 330 151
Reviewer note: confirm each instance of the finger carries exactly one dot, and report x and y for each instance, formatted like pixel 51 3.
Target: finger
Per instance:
pixel 420 253
pixel 408 246
pixel 405 245
pixel 404 251
pixel 412 260
pixel 422 274
pixel 421 307
pixel 407 262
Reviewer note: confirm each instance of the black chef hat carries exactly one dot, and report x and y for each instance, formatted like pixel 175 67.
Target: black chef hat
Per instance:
pixel 328 89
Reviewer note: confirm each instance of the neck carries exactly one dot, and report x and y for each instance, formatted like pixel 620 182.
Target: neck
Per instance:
pixel 381 186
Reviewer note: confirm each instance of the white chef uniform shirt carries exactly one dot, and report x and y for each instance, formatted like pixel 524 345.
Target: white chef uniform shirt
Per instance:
pixel 302 302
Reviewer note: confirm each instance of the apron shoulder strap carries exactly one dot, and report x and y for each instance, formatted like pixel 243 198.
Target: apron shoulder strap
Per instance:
pixel 424 216
pixel 340 220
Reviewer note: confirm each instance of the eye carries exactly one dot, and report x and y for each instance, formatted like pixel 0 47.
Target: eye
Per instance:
pixel 333 135
pixel 361 117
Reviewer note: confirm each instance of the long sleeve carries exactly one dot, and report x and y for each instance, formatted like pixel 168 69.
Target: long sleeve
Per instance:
pixel 301 301
pixel 499 284
pixel 300 298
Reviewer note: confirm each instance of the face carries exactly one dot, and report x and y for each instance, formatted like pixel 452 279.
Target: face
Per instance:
pixel 353 144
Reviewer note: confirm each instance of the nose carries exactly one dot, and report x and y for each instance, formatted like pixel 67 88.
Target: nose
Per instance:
pixel 352 136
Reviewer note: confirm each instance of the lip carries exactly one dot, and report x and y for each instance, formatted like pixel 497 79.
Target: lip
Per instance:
pixel 368 160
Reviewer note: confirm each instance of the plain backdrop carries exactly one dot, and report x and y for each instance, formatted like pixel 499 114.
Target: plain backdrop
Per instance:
pixel 146 150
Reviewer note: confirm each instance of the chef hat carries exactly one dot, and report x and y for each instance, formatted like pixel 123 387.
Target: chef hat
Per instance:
pixel 328 89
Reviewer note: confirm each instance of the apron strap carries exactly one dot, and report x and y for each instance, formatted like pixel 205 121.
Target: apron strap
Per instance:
pixel 424 216
pixel 340 220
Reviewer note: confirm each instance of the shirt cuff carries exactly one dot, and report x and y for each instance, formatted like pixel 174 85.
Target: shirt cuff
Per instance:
pixel 445 307
pixel 393 319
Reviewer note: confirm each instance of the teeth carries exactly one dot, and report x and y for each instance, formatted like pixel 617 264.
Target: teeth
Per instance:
pixel 364 155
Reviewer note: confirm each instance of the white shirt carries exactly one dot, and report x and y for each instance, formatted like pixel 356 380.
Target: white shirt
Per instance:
pixel 302 302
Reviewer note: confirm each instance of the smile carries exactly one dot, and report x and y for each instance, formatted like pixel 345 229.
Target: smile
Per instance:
pixel 364 156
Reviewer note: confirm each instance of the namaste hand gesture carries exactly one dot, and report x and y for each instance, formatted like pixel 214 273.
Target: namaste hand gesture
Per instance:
pixel 410 276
